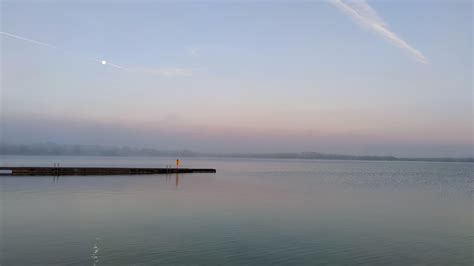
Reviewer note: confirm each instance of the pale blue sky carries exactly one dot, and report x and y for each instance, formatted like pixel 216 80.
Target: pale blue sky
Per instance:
pixel 240 76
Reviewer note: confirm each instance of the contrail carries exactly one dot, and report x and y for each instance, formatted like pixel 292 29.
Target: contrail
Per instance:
pixel 117 66
pixel 57 48
pixel 28 40
pixel 363 13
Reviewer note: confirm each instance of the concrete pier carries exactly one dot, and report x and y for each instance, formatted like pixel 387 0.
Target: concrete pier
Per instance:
pixel 61 171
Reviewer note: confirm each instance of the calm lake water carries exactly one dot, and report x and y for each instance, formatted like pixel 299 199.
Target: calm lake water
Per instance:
pixel 258 212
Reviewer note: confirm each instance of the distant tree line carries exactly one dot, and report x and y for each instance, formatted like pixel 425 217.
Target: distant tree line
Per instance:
pixel 85 150
pixel 97 150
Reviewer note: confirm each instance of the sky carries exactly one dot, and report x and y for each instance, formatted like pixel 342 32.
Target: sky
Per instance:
pixel 339 76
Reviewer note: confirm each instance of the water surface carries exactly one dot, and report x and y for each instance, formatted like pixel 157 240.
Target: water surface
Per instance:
pixel 252 211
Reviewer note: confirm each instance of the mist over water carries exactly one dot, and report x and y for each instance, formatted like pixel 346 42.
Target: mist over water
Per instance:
pixel 33 129
pixel 252 211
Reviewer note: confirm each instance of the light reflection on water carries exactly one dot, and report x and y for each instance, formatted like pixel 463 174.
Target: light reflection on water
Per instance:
pixel 251 212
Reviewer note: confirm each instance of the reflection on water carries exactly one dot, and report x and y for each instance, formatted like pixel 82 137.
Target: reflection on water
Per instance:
pixel 177 180
pixel 95 252
pixel 168 178
pixel 249 212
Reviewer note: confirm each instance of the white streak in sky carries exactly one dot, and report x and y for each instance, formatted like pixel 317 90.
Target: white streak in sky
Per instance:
pixel 364 14
pixel 54 47
pixel 117 66
pixel 28 40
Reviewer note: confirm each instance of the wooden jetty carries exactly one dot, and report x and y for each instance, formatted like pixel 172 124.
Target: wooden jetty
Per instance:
pixel 61 171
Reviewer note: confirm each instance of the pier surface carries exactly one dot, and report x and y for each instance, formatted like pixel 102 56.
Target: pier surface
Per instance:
pixel 60 171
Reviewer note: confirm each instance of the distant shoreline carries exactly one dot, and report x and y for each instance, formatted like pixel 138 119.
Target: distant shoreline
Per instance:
pixel 51 149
